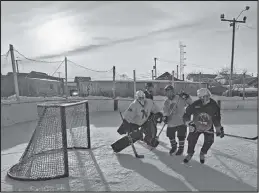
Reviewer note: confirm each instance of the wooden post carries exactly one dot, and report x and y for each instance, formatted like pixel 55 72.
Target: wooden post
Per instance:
pixel 17 66
pixel 115 101
pixel 183 77
pixel 177 73
pixel 244 76
pixel 134 83
pixel 16 88
pixel 66 77
pixel 152 75
pixel 200 79
pixel 173 78
pixel 114 83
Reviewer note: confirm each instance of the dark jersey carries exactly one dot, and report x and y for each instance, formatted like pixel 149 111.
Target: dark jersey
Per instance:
pixel 148 95
pixel 204 116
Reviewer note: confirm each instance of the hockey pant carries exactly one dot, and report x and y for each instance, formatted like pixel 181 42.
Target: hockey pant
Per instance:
pixel 181 135
pixel 193 138
pixel 149 129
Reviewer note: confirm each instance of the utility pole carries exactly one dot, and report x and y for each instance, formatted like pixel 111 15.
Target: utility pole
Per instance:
pixel 114 83
pixel 152 75
pixel 59 74
pixel 182 58
pixel 66 89
pixel 177 75
pixel 134 83
pixel 16 87
pixel 17 66
pixel 233 25
pixel 154 67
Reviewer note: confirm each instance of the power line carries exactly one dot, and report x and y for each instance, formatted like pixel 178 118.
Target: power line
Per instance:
pixel 7 53
pixel 36 60
pixel 88 68
pixel 249 27
pixel 58 67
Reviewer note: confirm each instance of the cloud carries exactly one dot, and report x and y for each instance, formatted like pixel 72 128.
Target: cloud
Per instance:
pixel 93 47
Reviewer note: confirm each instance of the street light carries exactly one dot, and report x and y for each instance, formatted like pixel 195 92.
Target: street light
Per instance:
pixel 233 25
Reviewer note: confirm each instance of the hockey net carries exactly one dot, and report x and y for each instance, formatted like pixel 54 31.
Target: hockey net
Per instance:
pixel 61 126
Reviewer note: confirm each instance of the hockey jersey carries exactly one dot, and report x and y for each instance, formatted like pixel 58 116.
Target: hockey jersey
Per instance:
pixel 175 109
pixel 148 95
pixel 204 116
pixel 138 113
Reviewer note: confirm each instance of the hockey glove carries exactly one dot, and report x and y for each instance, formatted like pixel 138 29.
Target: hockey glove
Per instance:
pixel 184 95
pixel 192 127
pixel 165 119
pixel 220 132
pixel 159 117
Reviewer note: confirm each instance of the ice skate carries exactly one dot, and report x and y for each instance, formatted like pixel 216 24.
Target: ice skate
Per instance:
pixel 202 158
pixel 180 148
pixel 187 158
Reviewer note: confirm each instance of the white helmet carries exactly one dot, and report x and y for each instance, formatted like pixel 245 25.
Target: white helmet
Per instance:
pixel 203 92
pixel 140 94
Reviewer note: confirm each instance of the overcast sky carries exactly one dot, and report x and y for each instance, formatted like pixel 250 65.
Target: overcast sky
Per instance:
pixel 98 35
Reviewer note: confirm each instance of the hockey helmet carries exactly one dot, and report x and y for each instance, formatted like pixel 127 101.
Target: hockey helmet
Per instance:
pixel 169 87
pixel 149 84
pixel 140 94
pixel 203 92
pixel 140 97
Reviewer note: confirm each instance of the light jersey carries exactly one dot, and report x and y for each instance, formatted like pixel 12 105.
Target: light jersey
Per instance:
pixel 175 110
pixel 138 114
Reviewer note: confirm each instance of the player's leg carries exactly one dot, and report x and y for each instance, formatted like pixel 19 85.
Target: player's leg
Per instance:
pixel 208 141
pixel 192 141
pixel 170 133
pixel 149 129
pixel 181 135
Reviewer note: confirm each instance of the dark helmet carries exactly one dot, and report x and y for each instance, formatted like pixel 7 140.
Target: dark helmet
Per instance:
pixel 169 87
pixel 149 84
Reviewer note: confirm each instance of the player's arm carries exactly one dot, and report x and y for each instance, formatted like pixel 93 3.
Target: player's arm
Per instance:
pixel 187 98
pixel 166 108
pixel 216 119
pixel 130 113
pixel 188 112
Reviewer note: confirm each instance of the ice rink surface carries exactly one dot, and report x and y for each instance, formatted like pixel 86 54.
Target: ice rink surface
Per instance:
pixel 231 164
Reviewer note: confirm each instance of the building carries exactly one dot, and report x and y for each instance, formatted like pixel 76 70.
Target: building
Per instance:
pixel 32 84
pixel 253 82
pixel 237 78
pixel 83 85
pixel 72 86
pixel 167 76
pixel 207 78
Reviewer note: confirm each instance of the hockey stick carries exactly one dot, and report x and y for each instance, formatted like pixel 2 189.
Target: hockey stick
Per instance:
pixel 132 144
pixel 157 137
pixel 236 136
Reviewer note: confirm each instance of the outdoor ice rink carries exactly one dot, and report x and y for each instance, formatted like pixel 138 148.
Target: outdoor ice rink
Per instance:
pixel 231 164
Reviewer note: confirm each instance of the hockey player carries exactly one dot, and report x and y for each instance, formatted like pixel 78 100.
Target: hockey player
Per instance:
pixel 206 116
pixel 174 108
pixel 138 112
pixel 149 90
pixel 149 128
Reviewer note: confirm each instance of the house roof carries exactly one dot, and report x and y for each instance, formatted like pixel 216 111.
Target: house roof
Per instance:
pixel 234 76
pixel 253 81
pixel 34 74
pixel 192 75
pixel 82 79
pixel 167 76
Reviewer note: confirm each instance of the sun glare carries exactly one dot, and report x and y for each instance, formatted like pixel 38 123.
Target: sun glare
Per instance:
pixel 58 35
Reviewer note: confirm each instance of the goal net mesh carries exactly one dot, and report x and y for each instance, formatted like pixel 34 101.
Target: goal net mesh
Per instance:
pixel 61 126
